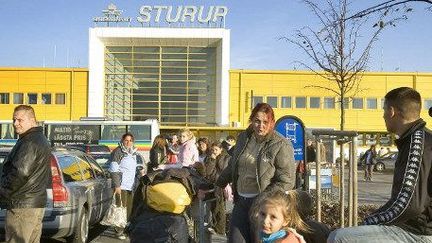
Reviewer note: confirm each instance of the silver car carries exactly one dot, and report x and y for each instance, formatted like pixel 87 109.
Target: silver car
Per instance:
pixel 386 162
pixel 79 196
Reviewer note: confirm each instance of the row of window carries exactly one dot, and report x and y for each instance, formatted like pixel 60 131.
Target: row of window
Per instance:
pixel 324 102
pixel 33 98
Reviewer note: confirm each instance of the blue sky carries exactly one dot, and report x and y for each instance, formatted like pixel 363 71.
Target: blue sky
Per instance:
pixel 32 31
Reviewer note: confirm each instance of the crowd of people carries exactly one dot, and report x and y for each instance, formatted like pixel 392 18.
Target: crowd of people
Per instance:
pixel 257 170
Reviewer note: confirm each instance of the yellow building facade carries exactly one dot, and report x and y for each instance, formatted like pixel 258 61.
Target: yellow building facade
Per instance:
pixel 290 93
pixel 62 94
pixel 54 93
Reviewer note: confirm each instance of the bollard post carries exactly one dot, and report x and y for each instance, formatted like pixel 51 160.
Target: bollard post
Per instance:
pixel 342 185
pixel 355 181
pixel 350 185
pixel 318 178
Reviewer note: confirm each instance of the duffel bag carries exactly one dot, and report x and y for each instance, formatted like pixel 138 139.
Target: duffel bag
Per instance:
pixel 158 228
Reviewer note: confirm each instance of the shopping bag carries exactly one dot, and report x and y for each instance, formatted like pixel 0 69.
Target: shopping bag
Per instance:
pixel 116 215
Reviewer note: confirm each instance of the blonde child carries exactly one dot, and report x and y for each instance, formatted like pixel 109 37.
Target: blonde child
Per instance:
pixel 276 218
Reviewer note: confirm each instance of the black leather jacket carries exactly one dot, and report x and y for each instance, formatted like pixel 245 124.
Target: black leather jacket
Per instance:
pixel 26 172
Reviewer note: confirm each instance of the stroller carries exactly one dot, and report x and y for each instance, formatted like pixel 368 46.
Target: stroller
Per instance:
pixel 152 222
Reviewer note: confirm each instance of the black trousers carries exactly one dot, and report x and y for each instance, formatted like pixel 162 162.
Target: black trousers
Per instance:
pixel 240 225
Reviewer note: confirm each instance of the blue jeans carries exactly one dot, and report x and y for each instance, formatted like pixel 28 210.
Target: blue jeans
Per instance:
pixel 376 234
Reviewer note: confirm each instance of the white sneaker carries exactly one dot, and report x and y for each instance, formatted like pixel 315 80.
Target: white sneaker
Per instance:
pixel 121 237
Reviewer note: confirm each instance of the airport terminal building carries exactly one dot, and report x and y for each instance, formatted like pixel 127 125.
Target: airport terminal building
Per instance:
pixel 176 74
pixel 173 65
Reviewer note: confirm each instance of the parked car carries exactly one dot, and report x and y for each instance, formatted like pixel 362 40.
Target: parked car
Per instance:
pixel 101 153
pixel 386 162
pixel 78 198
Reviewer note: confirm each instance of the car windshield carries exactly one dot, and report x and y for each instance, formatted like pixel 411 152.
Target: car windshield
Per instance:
pixel 102 159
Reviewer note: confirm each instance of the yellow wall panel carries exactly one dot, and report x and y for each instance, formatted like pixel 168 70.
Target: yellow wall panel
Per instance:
pixel 47 80
pixel 294 84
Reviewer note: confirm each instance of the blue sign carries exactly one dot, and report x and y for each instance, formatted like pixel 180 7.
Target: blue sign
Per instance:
pixel 292 128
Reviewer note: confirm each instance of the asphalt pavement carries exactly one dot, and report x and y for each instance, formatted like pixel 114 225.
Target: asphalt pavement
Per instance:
pixel 376 191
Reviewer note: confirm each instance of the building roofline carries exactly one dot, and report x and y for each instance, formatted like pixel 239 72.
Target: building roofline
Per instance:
pixel 59 69
pixel 254 71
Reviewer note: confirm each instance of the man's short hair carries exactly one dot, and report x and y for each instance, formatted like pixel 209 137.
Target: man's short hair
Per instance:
pixel 26 108
pixel 406 100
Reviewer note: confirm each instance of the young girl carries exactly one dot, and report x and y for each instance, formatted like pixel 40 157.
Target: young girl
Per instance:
pixel 188 153
pixel 276 217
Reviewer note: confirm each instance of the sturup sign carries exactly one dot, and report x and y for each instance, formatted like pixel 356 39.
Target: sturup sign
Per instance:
pixel 182 14
pixel 167 14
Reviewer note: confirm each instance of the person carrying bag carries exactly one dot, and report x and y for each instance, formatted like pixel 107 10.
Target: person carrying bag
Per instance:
pixel 116 216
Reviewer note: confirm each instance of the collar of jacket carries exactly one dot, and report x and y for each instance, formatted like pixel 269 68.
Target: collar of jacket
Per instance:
pixel 31 130
pixel 268 137
pixel 125 150
pixel 419 124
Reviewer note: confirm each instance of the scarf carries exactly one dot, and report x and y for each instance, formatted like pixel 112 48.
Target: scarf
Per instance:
pixel 125 150
pixel 266 238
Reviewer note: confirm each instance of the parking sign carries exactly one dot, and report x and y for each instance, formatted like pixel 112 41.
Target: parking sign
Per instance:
pixel 292 128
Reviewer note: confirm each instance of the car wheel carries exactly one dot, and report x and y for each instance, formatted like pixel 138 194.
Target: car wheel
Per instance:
pixel 81 232
pixel 379 167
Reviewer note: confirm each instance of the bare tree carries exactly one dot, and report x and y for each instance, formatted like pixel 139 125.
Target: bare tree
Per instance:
pixel 391 6
pixel 337 51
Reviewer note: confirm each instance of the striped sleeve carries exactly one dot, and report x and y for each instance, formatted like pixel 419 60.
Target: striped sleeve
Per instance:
pixel 399 205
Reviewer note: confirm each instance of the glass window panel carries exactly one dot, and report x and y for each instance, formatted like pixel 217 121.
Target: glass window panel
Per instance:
pixel 70 168
pixel 60 99
pixel 86 169
pixel 18 98
pixel 329 103
pixel 174 56
pixel 371 138
pixel 357 103
pixel 95 166
pixel 300 102
pixel 174 50
pixel 140 132
pixel 385 140
pixel 256 100
pixel 382 103
pixel 314 102
pixel 31 98
pixel 7 131
pixel 371 103
pixel 345 103
pixel 4 98
pixel 427 104
pixel 46 99
pixel 112 132
pixel 119 48
pixel 286 102
pixel 272 101
pixel 147 49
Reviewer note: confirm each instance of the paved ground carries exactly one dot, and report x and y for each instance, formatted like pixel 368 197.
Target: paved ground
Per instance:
pixel 375 192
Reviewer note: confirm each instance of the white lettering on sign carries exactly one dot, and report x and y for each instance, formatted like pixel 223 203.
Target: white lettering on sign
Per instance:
pixel 182 14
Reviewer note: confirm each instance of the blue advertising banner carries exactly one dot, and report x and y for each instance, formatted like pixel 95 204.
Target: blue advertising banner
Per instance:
pixel 292 128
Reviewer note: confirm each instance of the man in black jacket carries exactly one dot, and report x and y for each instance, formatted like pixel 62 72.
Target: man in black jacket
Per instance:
pixel 407 216
pixel 26 175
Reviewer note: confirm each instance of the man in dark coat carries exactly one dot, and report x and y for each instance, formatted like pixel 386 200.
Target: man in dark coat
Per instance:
pixel 26 176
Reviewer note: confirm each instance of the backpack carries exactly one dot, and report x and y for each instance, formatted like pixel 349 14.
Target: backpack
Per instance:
pixel 169 196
